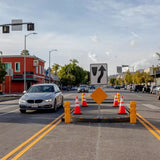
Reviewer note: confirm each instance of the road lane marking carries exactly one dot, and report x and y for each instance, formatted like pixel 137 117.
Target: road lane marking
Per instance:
pixel 35 141
pixel 30 139
pixel 151 106
pixel 68 95
pixel 2 108
pixel 154 133
pixel 9 112
pixel 148 125
pixel 155 128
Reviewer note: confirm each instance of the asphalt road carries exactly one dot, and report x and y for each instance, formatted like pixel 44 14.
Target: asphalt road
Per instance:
pixel 76 141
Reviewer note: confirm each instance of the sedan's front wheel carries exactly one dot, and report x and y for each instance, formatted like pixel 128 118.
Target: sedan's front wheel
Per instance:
pixel 55 106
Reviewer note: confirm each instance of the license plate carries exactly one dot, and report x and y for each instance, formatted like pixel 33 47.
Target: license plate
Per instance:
pixel 34 105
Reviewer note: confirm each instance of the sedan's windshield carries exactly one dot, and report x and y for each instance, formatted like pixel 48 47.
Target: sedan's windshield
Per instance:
pixel 41 89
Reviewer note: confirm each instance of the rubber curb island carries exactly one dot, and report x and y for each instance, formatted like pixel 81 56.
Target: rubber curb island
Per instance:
pixel 106 114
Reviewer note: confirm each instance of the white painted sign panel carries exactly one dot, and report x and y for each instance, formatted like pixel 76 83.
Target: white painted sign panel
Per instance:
pixel 99 73
pixel 16 27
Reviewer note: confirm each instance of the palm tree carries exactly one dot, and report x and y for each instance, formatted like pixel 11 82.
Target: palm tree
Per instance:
pixel 55 68
pixel 74 61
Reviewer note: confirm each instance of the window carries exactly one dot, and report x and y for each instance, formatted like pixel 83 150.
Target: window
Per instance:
pixel 39 69
pixel 17 67
pixel 7 66
pixel 36 69
pixel 43 70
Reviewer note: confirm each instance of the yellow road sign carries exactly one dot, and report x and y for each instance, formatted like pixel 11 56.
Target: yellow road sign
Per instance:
pixel 99 95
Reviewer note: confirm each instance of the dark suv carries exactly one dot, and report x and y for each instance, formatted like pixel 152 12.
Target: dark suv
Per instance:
pixel 146 89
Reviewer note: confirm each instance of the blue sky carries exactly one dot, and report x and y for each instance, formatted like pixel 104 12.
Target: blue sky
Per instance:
pixel 116 32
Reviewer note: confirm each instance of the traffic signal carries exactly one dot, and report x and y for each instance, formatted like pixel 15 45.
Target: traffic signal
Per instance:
pixel 30 27
pixel 5 29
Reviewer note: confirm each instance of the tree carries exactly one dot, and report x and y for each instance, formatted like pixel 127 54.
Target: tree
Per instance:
pixel 72 74
pixel 25 52
pixel 128 78
pixel 74 61
pixel 112 81
pixel 55 68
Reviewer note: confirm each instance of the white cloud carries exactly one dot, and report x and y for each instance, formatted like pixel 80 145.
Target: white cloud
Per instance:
pixel 132 43
pixel 107 53
pixel 136 35
pixel 92 56
pixel 144 63
pixel 94 38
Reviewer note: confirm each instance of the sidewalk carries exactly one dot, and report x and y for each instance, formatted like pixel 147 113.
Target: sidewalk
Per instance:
pixel 6 97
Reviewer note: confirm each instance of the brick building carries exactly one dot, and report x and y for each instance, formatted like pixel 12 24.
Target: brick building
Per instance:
pixel 14 80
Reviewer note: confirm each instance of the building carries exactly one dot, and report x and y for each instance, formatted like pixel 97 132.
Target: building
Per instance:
pixel 154 71
pixel 14 80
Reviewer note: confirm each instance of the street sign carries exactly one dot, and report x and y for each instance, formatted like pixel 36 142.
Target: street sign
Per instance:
pixel 99 95
pixel 17 27
pixel 119 69
pixel 98 73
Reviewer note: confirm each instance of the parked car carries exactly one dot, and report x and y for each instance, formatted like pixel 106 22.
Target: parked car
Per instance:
pixel 158 93
pixel 83 88
pixel 146 89
pixel 92 87
pixel 41 97
pixel 65 88
pixel 153 89
pixel 137 88
pixel 74 88
pixel 117 87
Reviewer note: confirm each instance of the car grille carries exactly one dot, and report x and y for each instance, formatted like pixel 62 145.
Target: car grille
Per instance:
pixel 35 101
pixel 30 101
pixel 38 101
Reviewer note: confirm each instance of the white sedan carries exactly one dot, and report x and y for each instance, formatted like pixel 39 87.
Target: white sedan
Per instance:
pixel 41 97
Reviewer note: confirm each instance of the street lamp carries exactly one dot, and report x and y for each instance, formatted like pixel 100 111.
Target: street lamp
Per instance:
pixel 25 37
pixel 49 63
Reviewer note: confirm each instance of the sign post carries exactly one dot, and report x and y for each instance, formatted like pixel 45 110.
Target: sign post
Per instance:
pixel 99 96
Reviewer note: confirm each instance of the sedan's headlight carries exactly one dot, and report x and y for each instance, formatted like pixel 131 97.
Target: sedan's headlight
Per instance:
pixel 48 100
pixel 22 101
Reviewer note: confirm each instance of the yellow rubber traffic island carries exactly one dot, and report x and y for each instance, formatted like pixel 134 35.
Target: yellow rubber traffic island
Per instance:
pixel 103 114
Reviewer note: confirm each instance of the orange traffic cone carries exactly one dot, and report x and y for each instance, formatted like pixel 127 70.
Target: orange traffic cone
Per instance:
pixel 84 102
pixel 122 107
pixel 77 109
pixel 115 103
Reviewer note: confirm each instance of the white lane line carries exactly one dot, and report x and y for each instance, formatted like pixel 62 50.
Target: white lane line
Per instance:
pixel 2 108
pixel 9 112
pixel 67 95
pixel 151 106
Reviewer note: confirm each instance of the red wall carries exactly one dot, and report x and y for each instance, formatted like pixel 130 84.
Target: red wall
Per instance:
pixel 18 87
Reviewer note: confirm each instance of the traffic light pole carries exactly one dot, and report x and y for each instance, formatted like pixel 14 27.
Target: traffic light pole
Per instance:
pixel 30 26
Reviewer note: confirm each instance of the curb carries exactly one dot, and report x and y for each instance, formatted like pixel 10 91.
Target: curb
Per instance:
pixel 101 120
